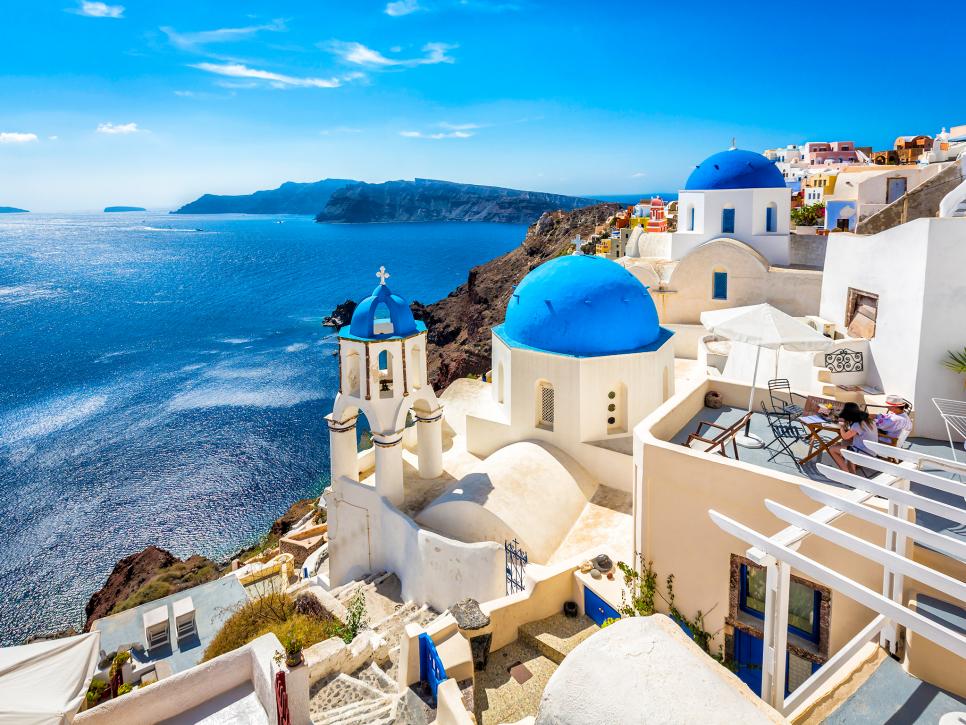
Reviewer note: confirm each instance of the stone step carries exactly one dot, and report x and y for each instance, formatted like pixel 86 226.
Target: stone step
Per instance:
pixel 357 713
pixel 340 691
pixel 555 636
pixel 374 676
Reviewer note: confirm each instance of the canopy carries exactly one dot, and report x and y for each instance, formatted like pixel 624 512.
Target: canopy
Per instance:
pixel 764 326
pixel 45 683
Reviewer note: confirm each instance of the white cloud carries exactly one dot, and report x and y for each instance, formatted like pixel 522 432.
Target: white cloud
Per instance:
pixel 14 137
pixel 459 126
pixel 120 129
pixel 53 138
pixel 402 7
pixel 338 130
pixel 435 136
pixel 98 10
pixel 278 80
pixel 191 41
pixel 638 175
pixel 359 54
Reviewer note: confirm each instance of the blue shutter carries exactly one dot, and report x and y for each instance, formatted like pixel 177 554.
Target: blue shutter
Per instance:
pixel 769 219
pixel 719 289
pixel 691 220
pixel 727 221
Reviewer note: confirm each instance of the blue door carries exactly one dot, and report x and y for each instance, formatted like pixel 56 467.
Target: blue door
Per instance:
pixel 597 609
pixel 727 221
pixel 748 654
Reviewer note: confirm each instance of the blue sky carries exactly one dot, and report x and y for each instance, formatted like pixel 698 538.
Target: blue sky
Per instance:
pixel 153 103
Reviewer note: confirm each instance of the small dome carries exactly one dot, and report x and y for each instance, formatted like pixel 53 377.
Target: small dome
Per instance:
pixel 581 305
pixel 735 169
pixel 394 319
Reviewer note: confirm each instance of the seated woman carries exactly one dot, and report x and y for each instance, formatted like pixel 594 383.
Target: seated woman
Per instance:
pixel 857 429
pixel 892 423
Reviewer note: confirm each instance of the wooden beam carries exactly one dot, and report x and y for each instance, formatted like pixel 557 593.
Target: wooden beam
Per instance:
pixel 904 454
pixel 910 474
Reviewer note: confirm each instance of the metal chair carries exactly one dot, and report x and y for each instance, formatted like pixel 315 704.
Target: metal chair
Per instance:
pixel 783 399
pixel 785 431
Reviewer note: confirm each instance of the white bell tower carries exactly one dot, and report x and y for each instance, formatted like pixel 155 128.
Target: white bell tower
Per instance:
pixel 382 373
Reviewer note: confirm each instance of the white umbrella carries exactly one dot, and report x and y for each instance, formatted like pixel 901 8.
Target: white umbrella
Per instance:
pixel 762 326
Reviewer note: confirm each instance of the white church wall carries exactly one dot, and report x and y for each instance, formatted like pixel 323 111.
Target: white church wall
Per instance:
pixel 369 534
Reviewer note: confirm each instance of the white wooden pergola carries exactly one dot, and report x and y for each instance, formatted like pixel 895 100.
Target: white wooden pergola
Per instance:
pixel 778 554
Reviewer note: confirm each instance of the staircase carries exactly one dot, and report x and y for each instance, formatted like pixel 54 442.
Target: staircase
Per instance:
pixel 371 694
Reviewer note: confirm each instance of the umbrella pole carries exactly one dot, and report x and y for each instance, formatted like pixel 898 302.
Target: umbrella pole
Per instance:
pixel 748 440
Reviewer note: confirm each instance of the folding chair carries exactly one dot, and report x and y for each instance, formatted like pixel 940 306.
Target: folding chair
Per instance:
pixel 783 428
pixel 953 413
pixel 783 399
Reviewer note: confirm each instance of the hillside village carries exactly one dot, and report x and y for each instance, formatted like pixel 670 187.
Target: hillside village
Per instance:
pixel 712 469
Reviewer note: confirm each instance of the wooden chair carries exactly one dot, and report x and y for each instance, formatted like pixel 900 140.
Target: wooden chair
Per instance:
pixel 717 443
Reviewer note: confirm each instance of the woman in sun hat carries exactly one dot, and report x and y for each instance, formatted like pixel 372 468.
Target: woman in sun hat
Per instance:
pixel 892 423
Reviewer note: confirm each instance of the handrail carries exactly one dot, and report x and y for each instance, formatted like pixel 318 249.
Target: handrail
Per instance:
pixel 957 196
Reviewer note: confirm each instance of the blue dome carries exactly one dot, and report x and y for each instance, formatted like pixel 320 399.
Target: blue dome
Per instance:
pixel 583 306
pixel 735 169
pixel 390 308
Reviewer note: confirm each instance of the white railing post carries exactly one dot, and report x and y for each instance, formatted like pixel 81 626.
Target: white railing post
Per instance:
pixel 777 584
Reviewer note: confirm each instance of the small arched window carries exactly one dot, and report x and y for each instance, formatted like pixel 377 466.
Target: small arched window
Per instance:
pixel 690 218
pixel 728 220
pixel 771 217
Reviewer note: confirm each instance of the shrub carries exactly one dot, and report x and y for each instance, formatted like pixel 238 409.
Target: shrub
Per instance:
pixel 96 692
pixel 356 619
pixel 310 606
pixel 119 659
pixel 809 215
pixel 276 613
pixel 124 689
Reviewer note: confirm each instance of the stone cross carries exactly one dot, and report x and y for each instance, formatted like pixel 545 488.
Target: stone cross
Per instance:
pixel 383 275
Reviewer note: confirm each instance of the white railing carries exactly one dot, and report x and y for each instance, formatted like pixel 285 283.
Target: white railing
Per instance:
pixel 957 196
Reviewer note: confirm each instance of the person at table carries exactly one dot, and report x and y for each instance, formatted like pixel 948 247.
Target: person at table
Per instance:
pixel 895 421
pixel 857 430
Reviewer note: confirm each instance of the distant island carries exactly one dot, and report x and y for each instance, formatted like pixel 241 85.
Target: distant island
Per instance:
pixel 12 210
pixel 428 200
pixel 290 198
pixel 109 209
pixel 423 200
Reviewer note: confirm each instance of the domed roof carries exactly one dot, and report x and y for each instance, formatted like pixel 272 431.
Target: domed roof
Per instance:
pixel 735 169
pixel 390 308
pixel 583 306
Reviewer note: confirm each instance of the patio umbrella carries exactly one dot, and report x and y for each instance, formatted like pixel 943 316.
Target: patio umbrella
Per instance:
pixel 762 326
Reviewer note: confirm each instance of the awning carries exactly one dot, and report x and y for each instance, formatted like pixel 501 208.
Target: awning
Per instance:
pixel 45 683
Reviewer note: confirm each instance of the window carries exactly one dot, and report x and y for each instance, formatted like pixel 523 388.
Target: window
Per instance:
pixel 861 310
pixel 771 218
pixel 617 409
pixel 728 221
pixel 545 405
pixel 803 602
pixel 350 365
pixel 499 383
pixel 690 218
pixel 719 285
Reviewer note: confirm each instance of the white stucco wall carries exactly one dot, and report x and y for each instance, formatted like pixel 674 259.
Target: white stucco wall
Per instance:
pixel 749 206
pixel 368 534
pixel 917 271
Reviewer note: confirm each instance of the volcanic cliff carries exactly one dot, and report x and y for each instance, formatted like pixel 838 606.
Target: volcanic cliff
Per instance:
pixel 459 325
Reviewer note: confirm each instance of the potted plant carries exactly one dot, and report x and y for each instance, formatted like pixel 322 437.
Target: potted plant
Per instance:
pixel 808 218
pixel 956 361
pixel 293 648
pixel 97 692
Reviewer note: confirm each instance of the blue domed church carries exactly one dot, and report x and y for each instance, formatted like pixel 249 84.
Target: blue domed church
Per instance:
pixel 735 194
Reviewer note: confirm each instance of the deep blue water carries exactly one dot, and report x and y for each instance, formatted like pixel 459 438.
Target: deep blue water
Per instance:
pixel 160 385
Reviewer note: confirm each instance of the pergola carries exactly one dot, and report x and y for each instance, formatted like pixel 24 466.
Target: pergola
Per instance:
pixel 778 554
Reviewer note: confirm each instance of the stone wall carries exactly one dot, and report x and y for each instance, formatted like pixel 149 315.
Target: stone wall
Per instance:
pixel 807 250
pixel 923 201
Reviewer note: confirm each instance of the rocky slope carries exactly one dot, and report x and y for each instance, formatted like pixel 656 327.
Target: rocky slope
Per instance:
pixel 290 198
pixel 427 200
pixel 459 325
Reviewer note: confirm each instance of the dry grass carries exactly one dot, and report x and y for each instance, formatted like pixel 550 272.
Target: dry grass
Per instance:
pixel 274 613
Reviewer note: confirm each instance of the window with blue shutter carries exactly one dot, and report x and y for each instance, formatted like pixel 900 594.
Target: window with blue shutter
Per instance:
pixel 727 221
pixel 719 286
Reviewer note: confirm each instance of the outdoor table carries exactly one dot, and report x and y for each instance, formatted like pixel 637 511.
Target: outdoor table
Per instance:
pixel 817 445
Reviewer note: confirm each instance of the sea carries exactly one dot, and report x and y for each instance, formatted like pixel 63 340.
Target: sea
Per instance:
pixel 164 378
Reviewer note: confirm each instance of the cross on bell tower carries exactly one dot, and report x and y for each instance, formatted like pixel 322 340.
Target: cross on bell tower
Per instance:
pixel 383 275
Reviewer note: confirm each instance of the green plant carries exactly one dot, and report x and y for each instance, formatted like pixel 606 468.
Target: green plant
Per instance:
pixel 356 618
pixel 96 692
pixel 809 215
pixel 119 659
pixel 124 689
pixel 293 645
pixel 956 361
pixel 642 586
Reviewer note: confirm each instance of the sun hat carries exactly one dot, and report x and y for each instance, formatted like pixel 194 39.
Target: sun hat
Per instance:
pixel 896 401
